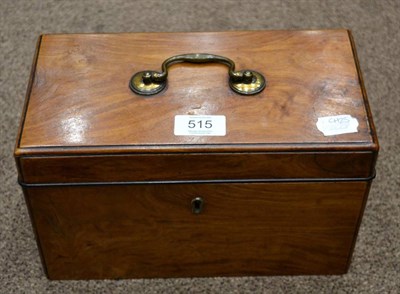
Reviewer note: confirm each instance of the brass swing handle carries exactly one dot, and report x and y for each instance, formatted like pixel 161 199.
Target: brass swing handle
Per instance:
pixel 246 82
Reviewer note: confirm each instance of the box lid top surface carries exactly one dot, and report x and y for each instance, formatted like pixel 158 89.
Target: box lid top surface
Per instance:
pixel 80 99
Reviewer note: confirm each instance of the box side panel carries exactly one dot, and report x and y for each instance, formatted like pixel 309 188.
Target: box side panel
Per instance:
pixel 374 136
pixel 26 102
pixel 360 216
pixel 375 145
pixel 33 218
pixel 28 91
pixel 183 167
pixel 137 231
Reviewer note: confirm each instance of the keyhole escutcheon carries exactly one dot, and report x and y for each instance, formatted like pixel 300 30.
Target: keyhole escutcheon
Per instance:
pixel 197 205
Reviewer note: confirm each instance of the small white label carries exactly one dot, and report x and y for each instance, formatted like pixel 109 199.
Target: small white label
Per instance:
pixel 337 124
pixel 200 125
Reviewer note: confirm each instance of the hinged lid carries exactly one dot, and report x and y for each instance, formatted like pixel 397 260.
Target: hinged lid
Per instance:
pixel 80 101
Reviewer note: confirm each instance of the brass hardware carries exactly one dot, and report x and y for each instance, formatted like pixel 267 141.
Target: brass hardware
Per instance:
pixel 197 205
pixel 245 82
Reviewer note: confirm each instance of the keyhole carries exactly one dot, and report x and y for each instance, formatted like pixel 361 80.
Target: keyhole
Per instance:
pixel 197 205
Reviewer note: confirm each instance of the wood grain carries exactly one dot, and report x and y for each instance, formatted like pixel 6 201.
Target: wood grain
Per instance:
pixel 149 230
pixel 80 95
pixel 198 166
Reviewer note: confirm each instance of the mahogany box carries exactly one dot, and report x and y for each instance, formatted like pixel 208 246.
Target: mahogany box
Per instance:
pixel 148 155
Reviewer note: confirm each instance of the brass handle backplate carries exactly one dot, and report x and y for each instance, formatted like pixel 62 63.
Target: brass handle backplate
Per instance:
pixel 246 82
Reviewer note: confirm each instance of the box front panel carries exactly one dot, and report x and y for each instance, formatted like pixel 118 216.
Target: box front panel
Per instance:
pixel 196 167
pixel 134 231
